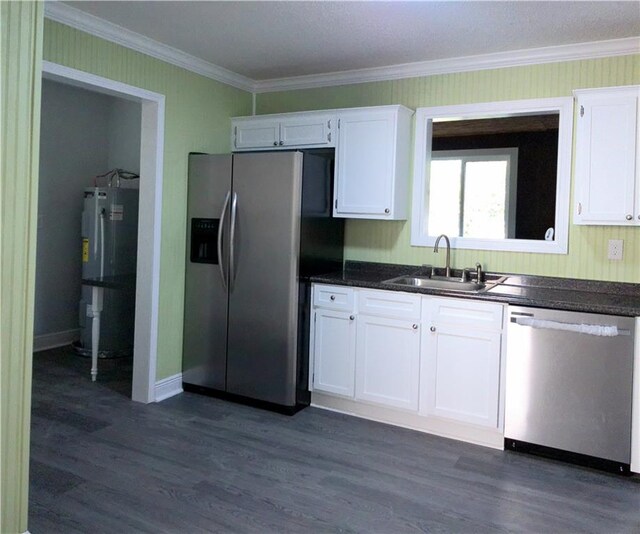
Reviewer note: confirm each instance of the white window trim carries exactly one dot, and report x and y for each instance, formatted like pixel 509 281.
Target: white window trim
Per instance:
pixel 510 154
pixel 422 154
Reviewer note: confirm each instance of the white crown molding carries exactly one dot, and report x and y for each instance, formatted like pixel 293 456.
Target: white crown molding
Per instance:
pixel 80 20
pixel 514 58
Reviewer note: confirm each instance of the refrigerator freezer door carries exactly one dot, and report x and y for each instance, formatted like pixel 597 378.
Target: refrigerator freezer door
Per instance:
pixel 263 297
pixel 205 313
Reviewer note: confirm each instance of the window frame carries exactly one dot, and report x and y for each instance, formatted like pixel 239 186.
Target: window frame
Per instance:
pixel 421 165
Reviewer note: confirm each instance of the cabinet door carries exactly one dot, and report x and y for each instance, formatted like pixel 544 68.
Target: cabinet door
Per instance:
pixel 387 361
pixel 256 134
pixel 314 130
pixel 461 370
pixel 334 348
pixel 606 157
pixel 365 163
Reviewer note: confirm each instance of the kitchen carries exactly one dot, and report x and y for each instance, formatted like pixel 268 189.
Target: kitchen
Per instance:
pixel 365 240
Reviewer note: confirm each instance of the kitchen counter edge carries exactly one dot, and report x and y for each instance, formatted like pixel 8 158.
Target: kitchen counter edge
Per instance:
pixel 587 296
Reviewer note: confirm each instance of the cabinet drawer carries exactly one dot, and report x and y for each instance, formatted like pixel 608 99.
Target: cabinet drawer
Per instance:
pixel 333 297
pixel 473 314
pixel 389 304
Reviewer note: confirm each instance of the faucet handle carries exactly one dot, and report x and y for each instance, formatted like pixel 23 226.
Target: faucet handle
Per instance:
pixel 428 268
pixel 479 272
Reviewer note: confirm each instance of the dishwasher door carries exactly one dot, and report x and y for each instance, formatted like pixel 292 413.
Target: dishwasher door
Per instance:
pixel 567 390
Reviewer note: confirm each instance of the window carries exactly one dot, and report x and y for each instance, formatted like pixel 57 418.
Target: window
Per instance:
pixel 472 193
pixel 524 206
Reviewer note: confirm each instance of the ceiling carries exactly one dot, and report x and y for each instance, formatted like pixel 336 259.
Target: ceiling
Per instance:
pixel 271 40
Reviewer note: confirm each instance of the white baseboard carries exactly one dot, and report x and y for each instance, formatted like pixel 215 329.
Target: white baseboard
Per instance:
pixel 55 339
pixel 168 387
pixel 438 426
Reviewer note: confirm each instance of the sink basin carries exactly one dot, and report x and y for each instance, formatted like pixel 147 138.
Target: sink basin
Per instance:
pixel 441 282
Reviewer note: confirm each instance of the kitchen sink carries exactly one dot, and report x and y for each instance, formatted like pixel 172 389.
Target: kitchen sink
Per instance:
pixel 445 283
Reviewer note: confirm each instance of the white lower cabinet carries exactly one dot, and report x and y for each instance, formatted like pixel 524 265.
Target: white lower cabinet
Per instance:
pixel 461 361
pixel 388 361
pixel 462 375
pixel 334 348
pixel 436 363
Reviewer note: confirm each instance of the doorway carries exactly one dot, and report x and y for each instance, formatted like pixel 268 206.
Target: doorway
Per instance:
pixel 151 128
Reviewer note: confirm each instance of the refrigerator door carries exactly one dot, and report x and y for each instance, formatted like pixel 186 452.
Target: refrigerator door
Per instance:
pixel 205 313
pixel 263 295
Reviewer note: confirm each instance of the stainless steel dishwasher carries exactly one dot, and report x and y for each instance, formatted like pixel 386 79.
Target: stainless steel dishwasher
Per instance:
pixel 569 386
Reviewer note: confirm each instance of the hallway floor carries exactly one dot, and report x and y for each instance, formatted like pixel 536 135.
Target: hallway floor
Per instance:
pixel 193 464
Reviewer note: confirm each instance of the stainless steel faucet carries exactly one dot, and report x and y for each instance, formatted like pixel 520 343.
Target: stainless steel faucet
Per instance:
pixel 447 271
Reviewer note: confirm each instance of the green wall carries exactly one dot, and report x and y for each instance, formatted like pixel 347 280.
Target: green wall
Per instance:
pixel 385 241
pixel 21 52
pixel 197 116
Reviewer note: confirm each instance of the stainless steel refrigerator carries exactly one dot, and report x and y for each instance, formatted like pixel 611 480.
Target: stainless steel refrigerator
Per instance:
pixel 259 224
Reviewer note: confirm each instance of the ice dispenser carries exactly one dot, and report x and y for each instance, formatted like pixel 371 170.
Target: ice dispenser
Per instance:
pixel 204 240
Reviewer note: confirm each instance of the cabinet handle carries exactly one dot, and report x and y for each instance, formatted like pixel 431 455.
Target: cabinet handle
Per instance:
pixel 433 328
pixel 579 208
pixel 281 143
pixel 329 137
pixel 387 210
pixel 629 217
pixel 415 326
pixel 275 143
pixel 352 317
pixel 332 297
pixel 639 217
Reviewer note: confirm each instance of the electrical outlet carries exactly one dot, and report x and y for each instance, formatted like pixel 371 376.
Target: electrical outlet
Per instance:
pixel 615 249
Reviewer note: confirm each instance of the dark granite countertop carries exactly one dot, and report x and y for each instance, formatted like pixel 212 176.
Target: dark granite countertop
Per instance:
pixel 590 296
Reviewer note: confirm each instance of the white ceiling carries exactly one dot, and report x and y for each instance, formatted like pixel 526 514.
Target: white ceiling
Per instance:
pixel 269 40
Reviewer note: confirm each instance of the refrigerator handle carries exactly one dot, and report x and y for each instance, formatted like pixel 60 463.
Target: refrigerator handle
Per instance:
pixel 232 239
pixel 220 231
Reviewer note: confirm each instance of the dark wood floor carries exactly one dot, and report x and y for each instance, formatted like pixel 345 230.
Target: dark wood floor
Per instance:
pixel 101 463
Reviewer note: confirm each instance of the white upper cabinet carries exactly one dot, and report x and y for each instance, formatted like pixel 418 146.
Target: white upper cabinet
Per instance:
pixel 372 163
pixel 372 154
pixel 294 130
pixel 256 134
pixel 310 130
pixel 607 181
